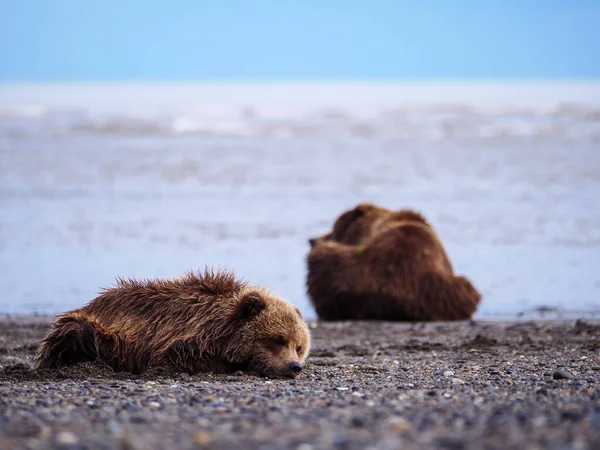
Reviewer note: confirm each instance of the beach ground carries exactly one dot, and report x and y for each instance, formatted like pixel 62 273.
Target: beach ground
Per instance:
pixel 517 384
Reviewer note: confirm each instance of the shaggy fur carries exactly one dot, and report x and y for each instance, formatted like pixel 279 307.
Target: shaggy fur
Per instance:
pixel 208 322
pixel 378 264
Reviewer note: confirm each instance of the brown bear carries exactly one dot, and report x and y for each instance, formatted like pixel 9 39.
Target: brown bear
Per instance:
pixel 378 264
pixel 201 322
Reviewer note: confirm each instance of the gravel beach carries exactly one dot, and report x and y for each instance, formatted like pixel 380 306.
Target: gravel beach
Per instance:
pixel 518 384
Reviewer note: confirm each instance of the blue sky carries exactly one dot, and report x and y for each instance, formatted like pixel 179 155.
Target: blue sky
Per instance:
pixel 105 40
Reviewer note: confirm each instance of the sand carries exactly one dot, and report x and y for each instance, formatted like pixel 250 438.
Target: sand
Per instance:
pixel 528 384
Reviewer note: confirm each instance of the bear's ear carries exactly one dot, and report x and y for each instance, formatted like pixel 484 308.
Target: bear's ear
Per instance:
pixel 298 311
pixel 249 306
pixel 357 212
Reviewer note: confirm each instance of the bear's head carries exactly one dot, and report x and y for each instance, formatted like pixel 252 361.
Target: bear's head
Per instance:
pixel 270 335
pixel 354 225
pixel 357 225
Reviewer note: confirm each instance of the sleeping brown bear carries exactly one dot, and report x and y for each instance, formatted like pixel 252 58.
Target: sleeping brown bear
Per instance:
pixel 201 322
pixel 378 264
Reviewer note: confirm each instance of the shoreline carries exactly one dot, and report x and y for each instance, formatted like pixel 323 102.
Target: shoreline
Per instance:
pixel 378 385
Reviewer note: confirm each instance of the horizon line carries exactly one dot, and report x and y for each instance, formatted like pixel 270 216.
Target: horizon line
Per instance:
pixel 284 80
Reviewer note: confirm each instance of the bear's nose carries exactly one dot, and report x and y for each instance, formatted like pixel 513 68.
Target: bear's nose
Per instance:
pixel 295 367
pixel 312 242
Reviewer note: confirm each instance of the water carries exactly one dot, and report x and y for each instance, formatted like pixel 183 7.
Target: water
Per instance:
pixel 149 180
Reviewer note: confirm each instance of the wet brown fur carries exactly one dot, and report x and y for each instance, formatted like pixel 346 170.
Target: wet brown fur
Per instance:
pixel 378 264
pixel 201 322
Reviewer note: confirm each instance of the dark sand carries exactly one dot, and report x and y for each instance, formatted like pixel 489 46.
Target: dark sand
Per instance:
pixel 366 385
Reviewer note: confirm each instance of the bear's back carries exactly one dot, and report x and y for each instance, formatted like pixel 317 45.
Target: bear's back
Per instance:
pixel 144 309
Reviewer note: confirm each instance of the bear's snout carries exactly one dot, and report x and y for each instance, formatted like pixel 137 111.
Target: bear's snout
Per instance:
pixel 312 241
pixel 295 367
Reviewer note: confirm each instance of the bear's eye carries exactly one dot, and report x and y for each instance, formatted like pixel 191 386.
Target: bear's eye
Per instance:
pixel 276 341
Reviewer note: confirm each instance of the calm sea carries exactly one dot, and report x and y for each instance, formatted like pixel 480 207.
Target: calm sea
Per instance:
pixel 146 180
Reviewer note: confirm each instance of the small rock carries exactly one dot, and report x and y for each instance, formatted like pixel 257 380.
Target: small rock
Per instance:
pixel 457 381
pixel 358 421
pixel 358 394
pixel 305 446
pixel 137 419
pixel 592 380
pixel 202 439
pixel 113 427
pixel 239 373
pixel 449 442
pixel 449 373
pixel 66 438
pixel 342 388
pixel 153 404
pixel 399 424
pixel 539 421
pixel 562 375
pixel 24 429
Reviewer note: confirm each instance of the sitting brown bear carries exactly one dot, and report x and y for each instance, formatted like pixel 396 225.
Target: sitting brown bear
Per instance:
pixel 379 264
pixel 201 322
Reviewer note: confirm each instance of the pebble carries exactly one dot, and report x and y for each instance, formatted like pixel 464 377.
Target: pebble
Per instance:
pixel 358 421
pixel 24 428
pixel 399 424
pixel 342 388
pixel 457 381
pixel 592 380
pixel 562 375
pixel 66 438
pixel 305 446
pixel 113 427
pixel 202 439
pixel 539 421
pixel 449 373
